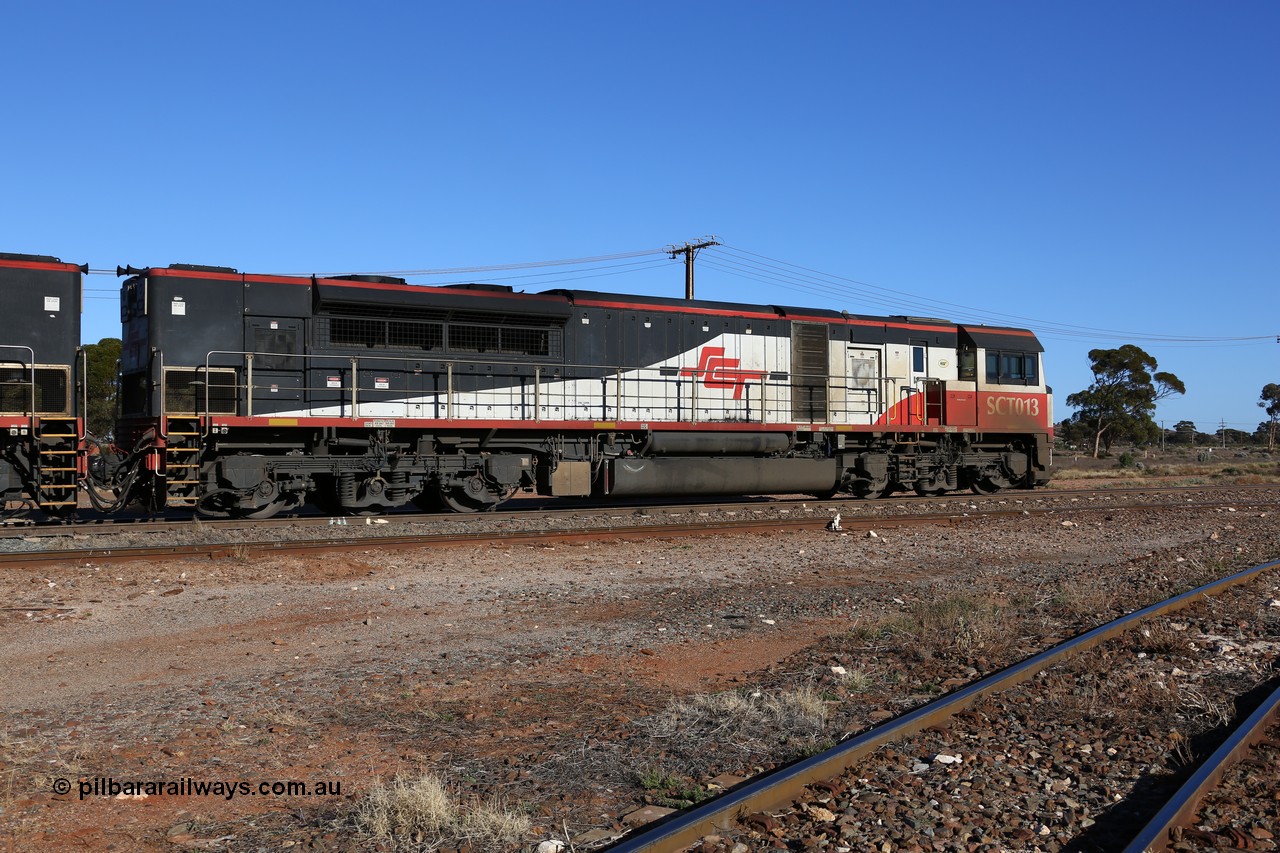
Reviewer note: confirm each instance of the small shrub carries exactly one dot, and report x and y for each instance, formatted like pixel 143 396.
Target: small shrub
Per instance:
pixel 857 681
pixel 411 809
pixel 423 812
pixel 752 723
pixel 670 789
pixel 951 627
pixel 1086 596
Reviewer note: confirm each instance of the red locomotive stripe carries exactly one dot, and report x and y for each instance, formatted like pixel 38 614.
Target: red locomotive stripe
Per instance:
pixel 451 291
pixel 255 278
pixel 691 310
pixel 225 276
pixel 277 421
pixel 754 315
pixel 38 265
pixel 763 315
pixel 217 276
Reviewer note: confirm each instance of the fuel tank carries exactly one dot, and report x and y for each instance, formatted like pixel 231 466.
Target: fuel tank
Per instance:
pixel 688 476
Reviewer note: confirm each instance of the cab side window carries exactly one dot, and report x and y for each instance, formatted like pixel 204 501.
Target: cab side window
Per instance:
pixel 1005 367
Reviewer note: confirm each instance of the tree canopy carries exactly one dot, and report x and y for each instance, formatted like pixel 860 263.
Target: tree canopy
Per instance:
pixel 1184 432
pixel 1270 403
pixel 102 384
pixel 1123 396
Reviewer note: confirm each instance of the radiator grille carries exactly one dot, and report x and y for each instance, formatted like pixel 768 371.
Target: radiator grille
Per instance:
pixel 51 390
pixel 409 336
pixel 184 391
pixel 809 371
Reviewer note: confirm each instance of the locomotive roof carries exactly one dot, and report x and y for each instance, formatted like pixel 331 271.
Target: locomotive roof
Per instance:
pixel 39 262
pixel 386 292
pixel 982 335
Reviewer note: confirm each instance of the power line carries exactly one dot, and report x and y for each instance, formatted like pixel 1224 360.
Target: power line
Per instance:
pixel 562 262
pixel 795 276
pixel 774 272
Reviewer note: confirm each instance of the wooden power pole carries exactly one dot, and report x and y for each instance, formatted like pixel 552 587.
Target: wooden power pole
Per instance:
pixel 690 250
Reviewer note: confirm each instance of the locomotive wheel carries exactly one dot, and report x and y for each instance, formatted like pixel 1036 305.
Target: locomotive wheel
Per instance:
pixel 989 485
pixel 222 503
pixel 22 510
pixel 326 499
pixel 871 491
pixel 472 495
pixel 929 490
pixel 269 510
pixel 429 501
pixel 216 504
pixel 460 500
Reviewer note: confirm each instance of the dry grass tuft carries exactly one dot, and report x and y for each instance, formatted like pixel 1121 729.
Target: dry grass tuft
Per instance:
pixel 1087 596
pixel 857 681
pixel 1158 638
pixel 424 814
pixel 1182 468
pixel 798 710
pixel 750 725
pixel 946 628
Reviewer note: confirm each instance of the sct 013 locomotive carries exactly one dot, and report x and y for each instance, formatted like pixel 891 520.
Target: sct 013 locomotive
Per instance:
pixel 245 395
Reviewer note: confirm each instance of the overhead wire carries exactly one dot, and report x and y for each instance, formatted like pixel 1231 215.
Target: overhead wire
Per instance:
pixel 775 272
pixel 796 276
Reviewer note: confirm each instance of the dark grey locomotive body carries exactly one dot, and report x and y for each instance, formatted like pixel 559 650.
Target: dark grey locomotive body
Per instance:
pixel 247 394
pixel 40 372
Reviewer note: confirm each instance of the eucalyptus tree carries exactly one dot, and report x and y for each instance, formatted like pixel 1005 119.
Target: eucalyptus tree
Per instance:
pixel 1270 403
pixel 1122 399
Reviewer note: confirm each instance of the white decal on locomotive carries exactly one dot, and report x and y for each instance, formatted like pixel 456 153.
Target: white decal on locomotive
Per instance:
pixel 1013 406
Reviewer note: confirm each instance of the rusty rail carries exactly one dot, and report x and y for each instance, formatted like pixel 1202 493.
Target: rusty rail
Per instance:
pixel 782 786
pixel 1180 811
pixel 637 531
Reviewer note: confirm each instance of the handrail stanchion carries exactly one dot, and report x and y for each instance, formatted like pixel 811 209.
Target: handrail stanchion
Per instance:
pixel 248 384
pixel 355 387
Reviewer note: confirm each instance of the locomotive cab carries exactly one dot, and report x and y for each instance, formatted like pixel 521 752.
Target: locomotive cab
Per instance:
pixel 41 426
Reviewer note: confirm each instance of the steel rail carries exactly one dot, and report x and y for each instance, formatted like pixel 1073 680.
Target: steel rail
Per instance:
pixel 1182 807
pixel 431 540
pixel 784 785
pixel 588 530
pixel 15 528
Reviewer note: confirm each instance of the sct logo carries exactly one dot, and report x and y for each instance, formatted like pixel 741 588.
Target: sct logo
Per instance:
pixel 718 372
pixel 1013 406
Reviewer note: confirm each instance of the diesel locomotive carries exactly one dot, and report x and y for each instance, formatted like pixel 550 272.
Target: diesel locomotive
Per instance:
pixel 41 367
pixel 244 395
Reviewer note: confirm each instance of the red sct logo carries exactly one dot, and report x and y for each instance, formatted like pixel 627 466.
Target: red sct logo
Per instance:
pixel 720 372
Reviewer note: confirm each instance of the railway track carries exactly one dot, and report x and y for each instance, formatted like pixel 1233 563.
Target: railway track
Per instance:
pixel 1175 822
pixel 591 531
pixel 647 522
pixel 815 799
pixel 523 509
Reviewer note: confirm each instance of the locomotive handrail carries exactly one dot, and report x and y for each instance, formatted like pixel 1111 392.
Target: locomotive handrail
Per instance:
pixel 31 383
pixel 835 405
pixel 83 428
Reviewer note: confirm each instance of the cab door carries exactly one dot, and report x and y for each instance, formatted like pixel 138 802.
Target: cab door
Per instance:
pixel 918 403
pixel 863 398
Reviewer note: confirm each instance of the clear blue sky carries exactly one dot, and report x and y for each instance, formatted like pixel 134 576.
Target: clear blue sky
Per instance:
pixel 1083 166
